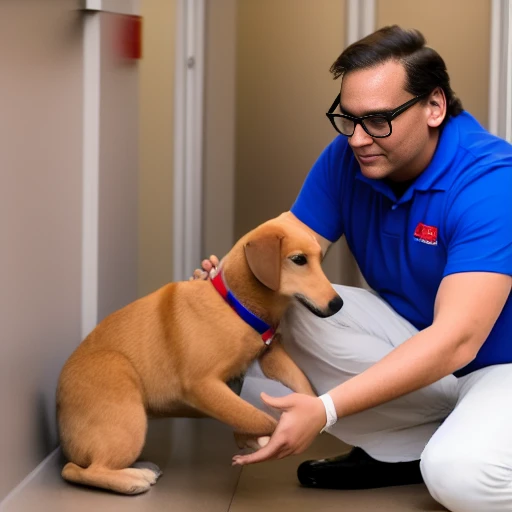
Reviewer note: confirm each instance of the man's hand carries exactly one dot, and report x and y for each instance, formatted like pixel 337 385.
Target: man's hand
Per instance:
pixel 207 266
pixel 301 420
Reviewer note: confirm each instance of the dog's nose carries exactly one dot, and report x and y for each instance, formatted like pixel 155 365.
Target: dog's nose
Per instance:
pixel 335 304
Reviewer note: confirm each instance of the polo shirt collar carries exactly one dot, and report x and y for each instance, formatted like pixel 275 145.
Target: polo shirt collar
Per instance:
pixel 436 176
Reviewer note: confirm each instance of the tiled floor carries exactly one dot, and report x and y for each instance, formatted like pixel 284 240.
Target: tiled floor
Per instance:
pixel 273 487
pixel 195 456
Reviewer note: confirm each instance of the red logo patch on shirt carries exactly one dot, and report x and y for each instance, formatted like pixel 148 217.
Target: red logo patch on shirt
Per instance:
pixel 426 234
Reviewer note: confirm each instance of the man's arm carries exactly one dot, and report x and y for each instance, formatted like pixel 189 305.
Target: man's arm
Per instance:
pixel 466 308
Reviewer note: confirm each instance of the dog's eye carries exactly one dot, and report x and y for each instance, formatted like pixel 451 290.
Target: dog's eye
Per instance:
pixel 299 259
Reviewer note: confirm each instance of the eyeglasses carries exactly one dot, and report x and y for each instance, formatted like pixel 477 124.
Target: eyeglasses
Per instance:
pixel 376 125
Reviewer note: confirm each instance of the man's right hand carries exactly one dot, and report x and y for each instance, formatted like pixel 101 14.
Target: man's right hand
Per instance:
pixel 207 266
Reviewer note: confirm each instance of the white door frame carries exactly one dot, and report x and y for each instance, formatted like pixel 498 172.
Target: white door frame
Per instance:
pixel 360 19
pixel 500 76
pixel 188 125
pixel 90 170
pixel 188 137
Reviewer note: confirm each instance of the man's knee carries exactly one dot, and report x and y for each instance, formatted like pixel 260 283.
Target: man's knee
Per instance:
pixel 464 481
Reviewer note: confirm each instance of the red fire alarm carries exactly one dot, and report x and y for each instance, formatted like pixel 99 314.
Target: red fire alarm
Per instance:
pixel 130 37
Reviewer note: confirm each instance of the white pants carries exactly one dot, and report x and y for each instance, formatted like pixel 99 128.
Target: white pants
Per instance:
pixel 461 429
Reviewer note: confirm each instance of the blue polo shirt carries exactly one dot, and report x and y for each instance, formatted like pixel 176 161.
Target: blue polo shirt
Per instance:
pixel 455 217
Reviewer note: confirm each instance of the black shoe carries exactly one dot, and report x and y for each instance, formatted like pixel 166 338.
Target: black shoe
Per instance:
pixel 357 470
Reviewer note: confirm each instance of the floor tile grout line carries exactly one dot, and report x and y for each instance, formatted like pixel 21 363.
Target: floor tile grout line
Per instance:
pixel 235 491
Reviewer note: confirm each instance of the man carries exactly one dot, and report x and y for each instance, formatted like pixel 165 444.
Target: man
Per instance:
pixel 418 375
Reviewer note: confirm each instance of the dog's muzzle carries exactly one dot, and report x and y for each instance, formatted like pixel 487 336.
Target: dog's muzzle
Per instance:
pixel 333 307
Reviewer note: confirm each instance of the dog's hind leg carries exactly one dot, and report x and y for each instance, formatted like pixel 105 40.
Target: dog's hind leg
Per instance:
pixel 124 481
pixel 103 426
pixel 149 466
pixel 112 453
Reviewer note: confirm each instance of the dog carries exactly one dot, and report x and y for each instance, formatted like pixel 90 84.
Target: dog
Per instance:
pixel 172 353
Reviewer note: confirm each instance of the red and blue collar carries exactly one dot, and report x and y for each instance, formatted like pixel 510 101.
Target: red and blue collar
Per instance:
pixel 266 331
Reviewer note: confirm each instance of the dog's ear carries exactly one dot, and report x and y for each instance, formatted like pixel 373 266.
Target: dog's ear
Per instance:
pixel 264 258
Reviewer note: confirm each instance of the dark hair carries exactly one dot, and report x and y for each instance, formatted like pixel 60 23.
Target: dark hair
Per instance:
pixel 424 67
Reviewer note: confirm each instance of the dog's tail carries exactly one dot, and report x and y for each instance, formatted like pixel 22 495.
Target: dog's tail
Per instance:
pixel 134 480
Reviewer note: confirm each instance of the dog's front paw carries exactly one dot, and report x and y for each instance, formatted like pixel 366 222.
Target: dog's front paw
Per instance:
pixel 246 441
pixel 262 441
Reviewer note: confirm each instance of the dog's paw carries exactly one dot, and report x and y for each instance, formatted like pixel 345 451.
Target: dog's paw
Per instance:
pixel 151 472
pixel 262 441
pixel 245 441
pixel 140 486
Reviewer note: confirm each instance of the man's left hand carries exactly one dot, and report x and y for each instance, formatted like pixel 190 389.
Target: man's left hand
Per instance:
pixel 301 420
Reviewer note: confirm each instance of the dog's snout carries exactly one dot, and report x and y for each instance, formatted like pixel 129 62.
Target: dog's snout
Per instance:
pixel 335 304
pixel 332 307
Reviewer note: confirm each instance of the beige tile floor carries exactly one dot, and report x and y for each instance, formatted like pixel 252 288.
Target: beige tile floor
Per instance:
pixel 195 456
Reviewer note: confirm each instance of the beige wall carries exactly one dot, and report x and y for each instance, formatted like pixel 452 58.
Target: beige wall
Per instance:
pixel 460 31
pixel 40 221
pixel 285 49
pixel 219 120
pixel 156 145
pixel 284 88
pixel 267 87
pixel 118 174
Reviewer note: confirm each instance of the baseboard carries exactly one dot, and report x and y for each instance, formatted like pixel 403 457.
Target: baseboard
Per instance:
pixel 19 488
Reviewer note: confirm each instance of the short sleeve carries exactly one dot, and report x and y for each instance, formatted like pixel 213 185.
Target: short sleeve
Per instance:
pixel 479 224
pixel 318 204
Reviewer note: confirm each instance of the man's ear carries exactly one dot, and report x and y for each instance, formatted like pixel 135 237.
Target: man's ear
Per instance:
pixel 436 108
pixel 264 259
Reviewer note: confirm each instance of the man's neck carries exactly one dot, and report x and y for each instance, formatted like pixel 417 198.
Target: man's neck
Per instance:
pixel 420 163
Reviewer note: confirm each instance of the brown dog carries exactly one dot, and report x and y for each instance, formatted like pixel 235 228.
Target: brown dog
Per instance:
pixel 172 352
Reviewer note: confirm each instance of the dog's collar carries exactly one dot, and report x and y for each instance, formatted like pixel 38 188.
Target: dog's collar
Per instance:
pixel 266 331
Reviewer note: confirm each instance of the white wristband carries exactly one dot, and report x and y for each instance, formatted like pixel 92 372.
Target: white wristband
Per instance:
pixel 330 411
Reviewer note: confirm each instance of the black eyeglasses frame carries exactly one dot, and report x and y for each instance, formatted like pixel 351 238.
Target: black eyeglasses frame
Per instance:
pixel 389 116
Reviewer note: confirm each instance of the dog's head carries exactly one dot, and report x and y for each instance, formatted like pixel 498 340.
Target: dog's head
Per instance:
pixel 287 259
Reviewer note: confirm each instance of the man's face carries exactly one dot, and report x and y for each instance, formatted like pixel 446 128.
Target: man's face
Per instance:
pixel 407 151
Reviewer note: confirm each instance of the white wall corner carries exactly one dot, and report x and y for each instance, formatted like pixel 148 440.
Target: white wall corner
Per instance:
pixel 508 79
pixel 360 19
pixel 368 17
pixel 500 75
pixel 90 171
pixel 188 139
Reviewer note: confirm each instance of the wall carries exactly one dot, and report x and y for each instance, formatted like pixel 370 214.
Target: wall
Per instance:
pixel 284 88
pixel 219 125
pixel 118 173
pixel 41 197
pixel 284 50
pixel 40 221
pixel 156 145
pixel 460 31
